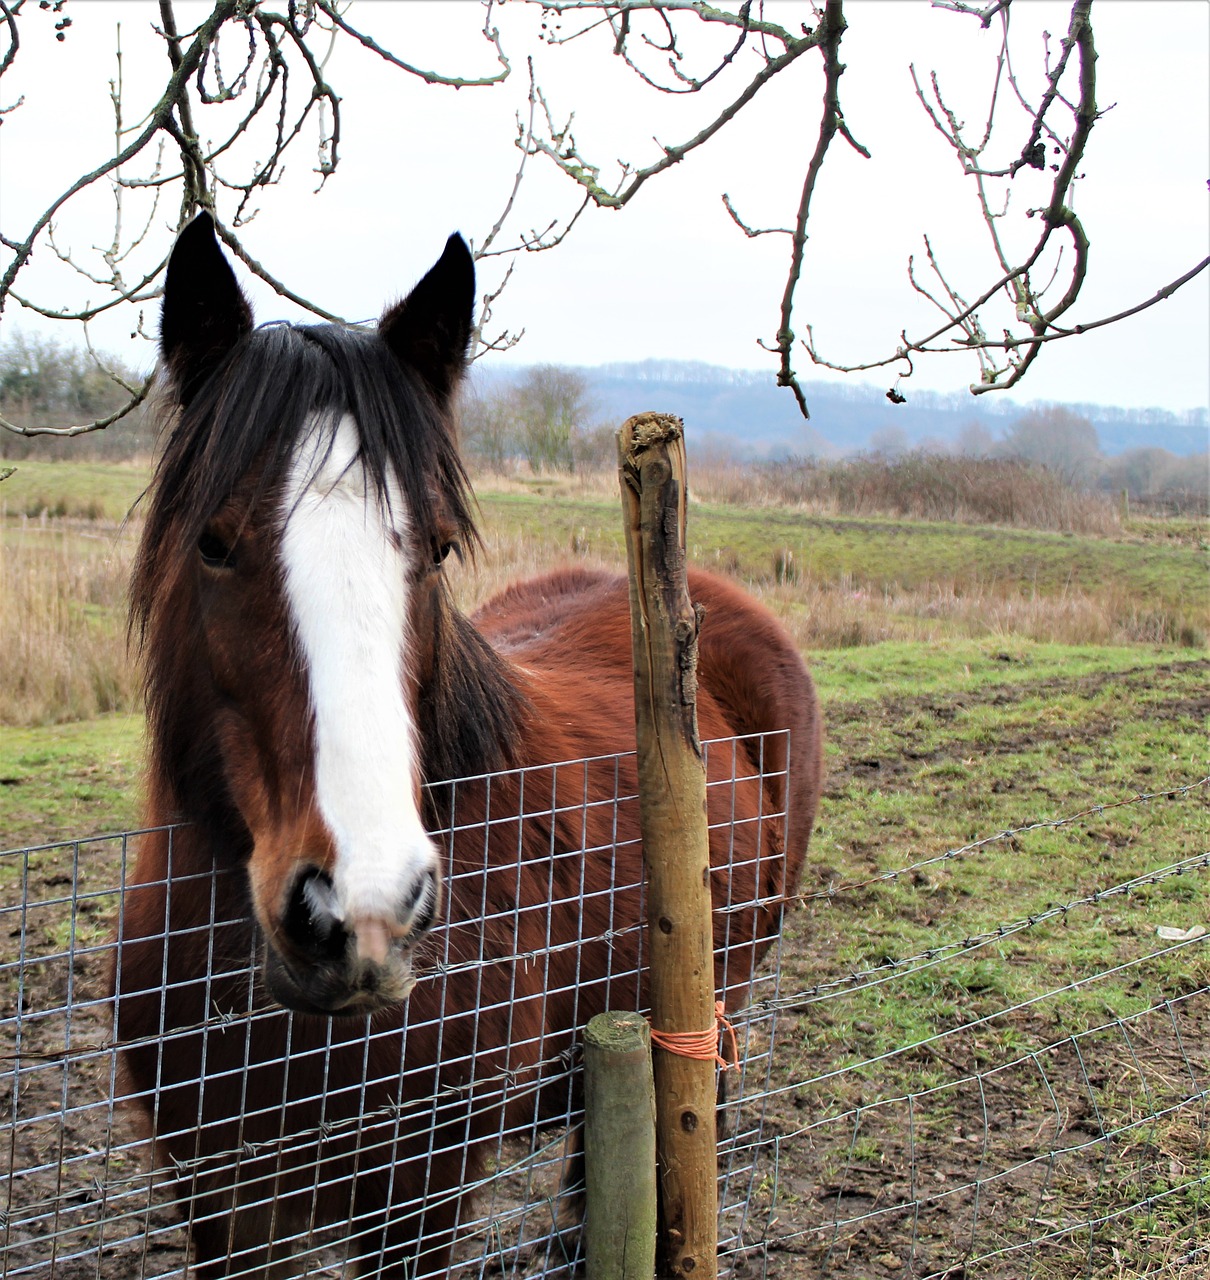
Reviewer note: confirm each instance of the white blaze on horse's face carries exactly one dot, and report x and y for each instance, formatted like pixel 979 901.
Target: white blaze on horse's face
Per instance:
pixel 344 554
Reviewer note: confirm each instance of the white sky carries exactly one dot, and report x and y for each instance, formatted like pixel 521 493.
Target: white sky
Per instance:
pixel 671 276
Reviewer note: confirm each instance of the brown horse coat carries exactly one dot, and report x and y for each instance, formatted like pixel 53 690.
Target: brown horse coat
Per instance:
pixel 279 1125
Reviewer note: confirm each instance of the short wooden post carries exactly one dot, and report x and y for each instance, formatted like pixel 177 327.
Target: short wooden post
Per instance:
pixel 672 802
pixel 619 1148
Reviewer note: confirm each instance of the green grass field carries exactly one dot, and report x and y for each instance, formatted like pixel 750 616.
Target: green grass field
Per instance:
pixel 974 681
pixel 84 490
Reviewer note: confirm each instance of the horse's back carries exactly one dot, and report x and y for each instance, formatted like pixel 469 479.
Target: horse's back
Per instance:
pixel 545 621
pixel 573 625
pixel 751 667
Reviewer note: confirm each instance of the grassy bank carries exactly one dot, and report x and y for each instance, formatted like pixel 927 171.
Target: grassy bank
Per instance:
pixel 837 581
pixel 842 581
pixel 63 653
pixel 60 782
pixel 105 491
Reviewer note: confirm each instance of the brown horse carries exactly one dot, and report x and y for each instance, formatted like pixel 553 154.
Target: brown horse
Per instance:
pixel 370 945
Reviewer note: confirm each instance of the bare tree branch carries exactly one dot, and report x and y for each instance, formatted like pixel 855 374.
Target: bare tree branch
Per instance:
pixel 1057 215
pixel 561 147
pixel 271 42
pixel 159 119
pixel 752 232
pixel 829 32
pixel 263 77
pixel 1055 332
pixel 84 428
pixel 9 13
pixel 430 77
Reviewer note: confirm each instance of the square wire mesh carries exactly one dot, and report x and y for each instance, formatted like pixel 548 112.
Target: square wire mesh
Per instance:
pixel 269 1125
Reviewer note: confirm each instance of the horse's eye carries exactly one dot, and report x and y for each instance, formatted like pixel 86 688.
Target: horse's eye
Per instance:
pixel 215 553
pixel 442 549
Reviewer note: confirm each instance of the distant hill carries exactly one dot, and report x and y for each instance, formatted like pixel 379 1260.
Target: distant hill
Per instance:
pixel 742 413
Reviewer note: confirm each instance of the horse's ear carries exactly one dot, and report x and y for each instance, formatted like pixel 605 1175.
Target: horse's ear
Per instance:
pixel 205 312
pixel 430 330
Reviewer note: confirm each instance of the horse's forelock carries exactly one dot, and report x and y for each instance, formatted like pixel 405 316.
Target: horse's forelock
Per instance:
pixel 253 413
pixel 405 432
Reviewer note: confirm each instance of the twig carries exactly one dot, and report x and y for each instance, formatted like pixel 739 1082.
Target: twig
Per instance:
pixel 1056 215
pixel 84 428
pixel 562 151
pixel 829 34
pixel 334 15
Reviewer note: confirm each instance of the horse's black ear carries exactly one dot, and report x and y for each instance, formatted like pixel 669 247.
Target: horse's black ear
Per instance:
pixel 205 312
pixel 430 330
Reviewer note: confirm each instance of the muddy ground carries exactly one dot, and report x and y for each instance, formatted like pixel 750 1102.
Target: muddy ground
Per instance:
pixel 996 1173
pixel 1017 1146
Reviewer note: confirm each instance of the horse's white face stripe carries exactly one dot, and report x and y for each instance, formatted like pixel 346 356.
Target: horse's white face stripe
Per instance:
pixel 346 587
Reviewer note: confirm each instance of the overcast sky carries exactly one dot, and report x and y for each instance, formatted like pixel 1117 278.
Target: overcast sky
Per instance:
pixel 671 276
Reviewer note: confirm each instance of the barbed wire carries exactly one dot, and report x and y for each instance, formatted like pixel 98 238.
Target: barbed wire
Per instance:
pixel 907 966
pixel 1041 824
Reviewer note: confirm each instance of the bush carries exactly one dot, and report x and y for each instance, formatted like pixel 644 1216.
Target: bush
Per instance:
pixel 46 384
pixel 924 486
pixel 541 420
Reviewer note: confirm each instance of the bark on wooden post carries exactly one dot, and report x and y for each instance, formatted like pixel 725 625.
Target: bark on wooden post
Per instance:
pixel 619 1148
pixel 672 791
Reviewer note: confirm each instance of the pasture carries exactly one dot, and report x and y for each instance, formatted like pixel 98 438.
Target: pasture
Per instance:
pixel 975 680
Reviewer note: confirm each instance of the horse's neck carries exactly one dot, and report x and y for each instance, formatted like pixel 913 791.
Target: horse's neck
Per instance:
pixel 184 776
pixel 472 712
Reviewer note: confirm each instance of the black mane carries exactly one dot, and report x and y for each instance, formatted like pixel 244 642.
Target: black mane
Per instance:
pixel 251 413
pixel 256 404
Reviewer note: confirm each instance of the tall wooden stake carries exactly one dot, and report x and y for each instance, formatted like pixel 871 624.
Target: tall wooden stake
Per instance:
pixel 672 802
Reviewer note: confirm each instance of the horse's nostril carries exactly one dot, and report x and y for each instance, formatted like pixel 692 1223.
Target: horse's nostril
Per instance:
pixel 424 905
pixel 311 923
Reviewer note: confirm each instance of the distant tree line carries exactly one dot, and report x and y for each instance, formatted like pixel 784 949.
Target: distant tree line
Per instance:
pixel 920 486
pixel 47 383
pixel 544 421
pixel 1066 444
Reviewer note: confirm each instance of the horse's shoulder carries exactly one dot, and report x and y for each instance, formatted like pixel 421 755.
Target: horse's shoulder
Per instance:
pixel 735 618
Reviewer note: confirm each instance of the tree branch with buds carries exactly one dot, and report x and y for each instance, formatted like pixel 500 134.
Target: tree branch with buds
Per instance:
pixel 964 325
pixel 250 87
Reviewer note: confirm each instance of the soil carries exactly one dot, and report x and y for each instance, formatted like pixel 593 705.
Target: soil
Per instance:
pixel 999 1172
pixel 922 1185
pixel 1074 1156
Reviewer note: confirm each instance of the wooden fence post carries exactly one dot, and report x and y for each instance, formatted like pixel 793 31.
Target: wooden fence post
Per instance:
pixel 619 1148
pixel 672 802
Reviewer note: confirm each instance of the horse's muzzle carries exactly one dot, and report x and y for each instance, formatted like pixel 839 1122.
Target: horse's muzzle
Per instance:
pixel 318 963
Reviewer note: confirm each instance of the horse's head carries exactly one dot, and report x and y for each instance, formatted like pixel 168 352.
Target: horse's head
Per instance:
pixel 309 489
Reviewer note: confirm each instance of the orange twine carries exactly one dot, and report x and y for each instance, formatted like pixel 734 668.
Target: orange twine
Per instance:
pixel 702 1045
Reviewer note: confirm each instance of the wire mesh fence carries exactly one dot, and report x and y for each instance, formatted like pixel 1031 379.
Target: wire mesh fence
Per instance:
pixel 1061 1134
pixel 1003 1156
pixel 339 1140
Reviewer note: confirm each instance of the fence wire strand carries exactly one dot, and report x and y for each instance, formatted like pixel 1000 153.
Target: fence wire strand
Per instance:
pixel 948 1155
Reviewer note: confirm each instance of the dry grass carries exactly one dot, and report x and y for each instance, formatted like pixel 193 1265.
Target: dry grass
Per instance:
pixel 62 621
pixel 840 614
pixel 63 653
pixel 919 486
